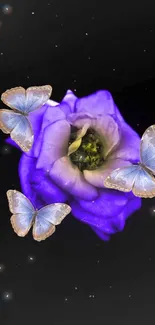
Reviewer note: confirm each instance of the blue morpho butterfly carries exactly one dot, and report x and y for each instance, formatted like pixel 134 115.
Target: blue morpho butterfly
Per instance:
pixel 22 102
pixel 43 220
pixel 137 178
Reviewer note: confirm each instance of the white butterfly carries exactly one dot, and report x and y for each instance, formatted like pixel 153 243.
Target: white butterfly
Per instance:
pixel 22 102
pixel 43 220
pixel 137 178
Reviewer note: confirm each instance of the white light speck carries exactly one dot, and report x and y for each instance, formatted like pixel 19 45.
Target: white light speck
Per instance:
pixel 7 9
pixel 6 149
pixel 31 258
pixel 114 69
pixel 152 211
pixel 1 53
pixel 7 295
pixel 74 89
pixel 56 45
pixel 66 299
pixel 89 57
pixel 2 267
pixel 91 296
pixel 28 77
pixel 98 262
pixel 86 34
pixel 130 296
pixel 75 288
pixel 144 50
pixel 32 12
pixel 110 287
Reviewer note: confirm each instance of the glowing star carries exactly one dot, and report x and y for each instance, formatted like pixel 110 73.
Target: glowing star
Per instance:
pixel 7 9
pixel 5 150
pixel 2 267
pixel 31 259
pixel 7 295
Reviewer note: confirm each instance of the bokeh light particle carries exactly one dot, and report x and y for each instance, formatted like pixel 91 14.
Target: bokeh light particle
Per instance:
pixel 7 9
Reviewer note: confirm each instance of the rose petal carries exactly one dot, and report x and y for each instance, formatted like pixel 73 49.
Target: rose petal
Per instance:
pixel 107 226
pixel 80 119
pixel 69 102
pixel 69 177
pixel 36 118
pixel 54 144
pixel 118 114
pixel 89 218
pixel 102 206
pixel 101 234
pixel 100 102
pixel 98 176
pixel 100 223
pixel 109 133
pixel 51 115
pixel 134 203
pixel 129 147
pixel 37 185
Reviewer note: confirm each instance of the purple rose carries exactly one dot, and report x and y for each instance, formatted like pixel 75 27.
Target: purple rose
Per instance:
pixel 77 143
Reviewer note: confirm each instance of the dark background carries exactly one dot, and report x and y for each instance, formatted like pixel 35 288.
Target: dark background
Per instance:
pixel 74 277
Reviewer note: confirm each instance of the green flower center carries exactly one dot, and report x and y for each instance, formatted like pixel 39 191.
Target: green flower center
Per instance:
pixel 90 153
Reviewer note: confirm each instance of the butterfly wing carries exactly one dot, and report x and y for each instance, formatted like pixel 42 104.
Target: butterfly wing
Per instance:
pixel 144 184
pixel 26 101
pixel 37 97
pixel 14 98
pixel 47 218
pixel 122 179
pixel 23 212
pixel 19 128
pixel 147 148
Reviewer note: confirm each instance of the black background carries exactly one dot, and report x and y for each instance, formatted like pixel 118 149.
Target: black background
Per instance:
pixel 74 277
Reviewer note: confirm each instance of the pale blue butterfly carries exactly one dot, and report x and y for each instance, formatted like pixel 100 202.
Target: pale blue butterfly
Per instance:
pixel 22 102
pixel 137 178
pixel 43 220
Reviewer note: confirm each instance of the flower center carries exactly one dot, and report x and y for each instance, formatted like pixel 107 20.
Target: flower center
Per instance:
pixel 90 153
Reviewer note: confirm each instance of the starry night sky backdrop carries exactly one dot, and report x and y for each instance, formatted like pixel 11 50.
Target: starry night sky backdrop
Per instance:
pixel 74 277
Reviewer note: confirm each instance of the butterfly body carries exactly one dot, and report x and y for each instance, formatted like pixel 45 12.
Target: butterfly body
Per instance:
pixel 138 178
pixel 25 216
pixel 22 102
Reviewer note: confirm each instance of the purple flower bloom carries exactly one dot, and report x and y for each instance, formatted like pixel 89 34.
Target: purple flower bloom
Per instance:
pixel 77 143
